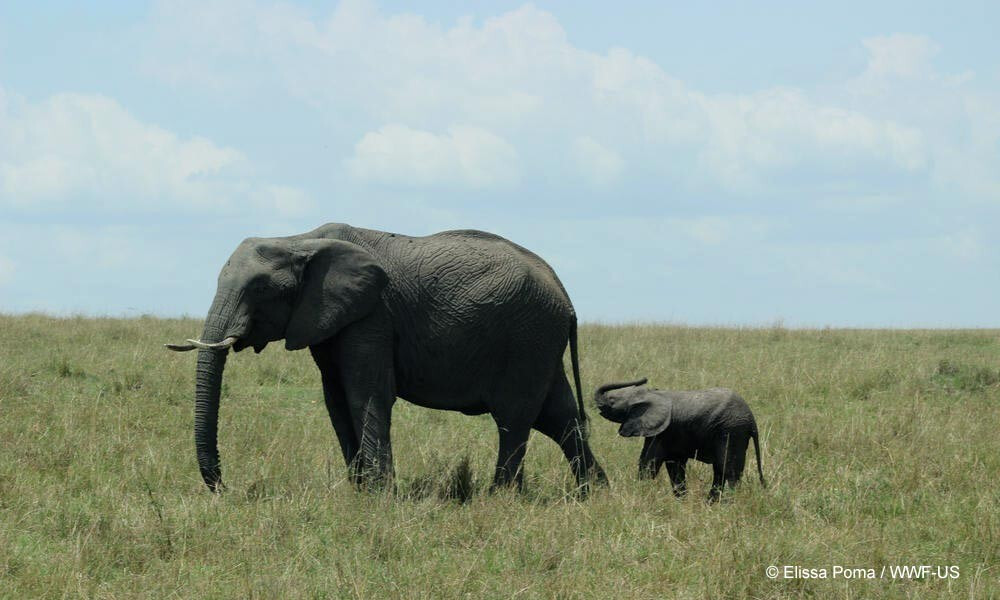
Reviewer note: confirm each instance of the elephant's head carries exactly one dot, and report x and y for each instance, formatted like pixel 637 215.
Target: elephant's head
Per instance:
pixel 302 291
pixel 640 412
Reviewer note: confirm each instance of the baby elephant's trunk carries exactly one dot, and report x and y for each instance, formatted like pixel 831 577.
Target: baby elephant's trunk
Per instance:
pixel 607 387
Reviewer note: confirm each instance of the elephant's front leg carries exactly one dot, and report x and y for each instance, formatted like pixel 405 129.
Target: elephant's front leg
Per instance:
pixel 366 371
pixel 677 469
pixel 374 460
pixel 649 463
pixel 337 408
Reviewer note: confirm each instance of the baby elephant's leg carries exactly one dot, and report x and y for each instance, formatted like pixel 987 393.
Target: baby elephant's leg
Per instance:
pixel 649 462
pixel 736 459
pixel 730 458
pixel 720 466
pixel 677 469
pixel 718 480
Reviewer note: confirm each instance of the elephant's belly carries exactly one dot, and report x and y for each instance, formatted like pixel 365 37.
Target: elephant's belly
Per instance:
pixel 443 400
pixel 475 368
pixel 434 375
pixel 705 455
pixel 678 444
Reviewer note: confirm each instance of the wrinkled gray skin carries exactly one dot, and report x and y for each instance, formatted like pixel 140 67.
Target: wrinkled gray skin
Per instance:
pixel 459 320
pixel 713 426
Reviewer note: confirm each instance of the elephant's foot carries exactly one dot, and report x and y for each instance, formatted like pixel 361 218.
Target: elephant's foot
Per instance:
pixel 597 475
pixel 714 495
pixel 373 476
pixel 375 485
pixel 504 480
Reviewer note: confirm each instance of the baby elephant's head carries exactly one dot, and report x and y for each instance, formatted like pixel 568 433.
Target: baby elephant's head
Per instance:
pixel 614 399
pixel 638 410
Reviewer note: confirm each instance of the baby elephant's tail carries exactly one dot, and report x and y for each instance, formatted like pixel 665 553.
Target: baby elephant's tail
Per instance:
pixel 756 448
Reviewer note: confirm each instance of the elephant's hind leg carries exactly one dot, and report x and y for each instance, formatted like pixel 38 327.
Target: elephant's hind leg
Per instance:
pixel 737 455
pixel 720 464
pixel 560 421
pixel 730 457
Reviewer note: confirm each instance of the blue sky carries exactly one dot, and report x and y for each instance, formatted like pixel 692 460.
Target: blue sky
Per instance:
pixel 739 165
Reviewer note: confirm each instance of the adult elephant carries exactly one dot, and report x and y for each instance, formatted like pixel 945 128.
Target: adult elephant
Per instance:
pixel 458 320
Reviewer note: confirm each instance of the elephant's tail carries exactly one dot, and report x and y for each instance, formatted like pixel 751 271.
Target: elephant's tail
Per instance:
pixel 574 357
pixel 756 449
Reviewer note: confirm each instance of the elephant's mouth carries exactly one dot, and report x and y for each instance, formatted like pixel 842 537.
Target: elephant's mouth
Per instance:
pixel 257 345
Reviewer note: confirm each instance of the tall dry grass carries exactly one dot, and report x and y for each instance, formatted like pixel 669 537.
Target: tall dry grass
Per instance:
pixel 880 447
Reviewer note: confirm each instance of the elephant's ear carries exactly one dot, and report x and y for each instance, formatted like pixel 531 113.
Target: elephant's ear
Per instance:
pixel 340 283
pixel 648 416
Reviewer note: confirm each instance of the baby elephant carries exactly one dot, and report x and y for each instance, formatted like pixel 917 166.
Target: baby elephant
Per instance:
pixel 713 426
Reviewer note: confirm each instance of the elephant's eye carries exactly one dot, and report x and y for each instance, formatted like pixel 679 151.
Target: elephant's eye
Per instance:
pixel 259 287
pixel 283 283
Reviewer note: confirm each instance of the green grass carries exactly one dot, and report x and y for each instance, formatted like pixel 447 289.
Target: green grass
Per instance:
pixel 880 447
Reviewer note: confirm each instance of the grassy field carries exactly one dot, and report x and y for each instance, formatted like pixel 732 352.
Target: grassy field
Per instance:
pixel 880 447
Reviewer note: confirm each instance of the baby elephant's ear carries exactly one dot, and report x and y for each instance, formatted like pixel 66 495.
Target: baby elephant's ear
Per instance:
pixel 647 417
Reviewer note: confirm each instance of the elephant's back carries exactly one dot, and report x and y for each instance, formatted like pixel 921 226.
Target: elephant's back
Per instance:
pixel 729 411
pixel 461 265
pixel 486 268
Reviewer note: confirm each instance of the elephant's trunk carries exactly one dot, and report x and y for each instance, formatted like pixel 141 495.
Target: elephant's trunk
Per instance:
pixel 607 387
pixel 206 415
pixel 208 387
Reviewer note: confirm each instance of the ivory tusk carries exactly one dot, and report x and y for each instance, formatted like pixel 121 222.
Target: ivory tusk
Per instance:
pixel 192 344
pixel 179 347
pixel 223 345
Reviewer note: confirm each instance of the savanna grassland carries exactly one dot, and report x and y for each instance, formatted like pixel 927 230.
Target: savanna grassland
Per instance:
pixel 880 448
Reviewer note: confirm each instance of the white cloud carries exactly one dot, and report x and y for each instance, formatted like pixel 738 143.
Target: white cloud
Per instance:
pixel 965 244
pixel 899 55
pixel 864 203
pixel 72 150
pixel 6 270
pixel 596 163
pixel 74 143
pixel 464 156
pixel 283 201
pixel 707 230
pixel 959 123
pixel 113 269
pixel 107 248
pixel 668 236
pixel 839 265
pixel 518 77
pixel 755 134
